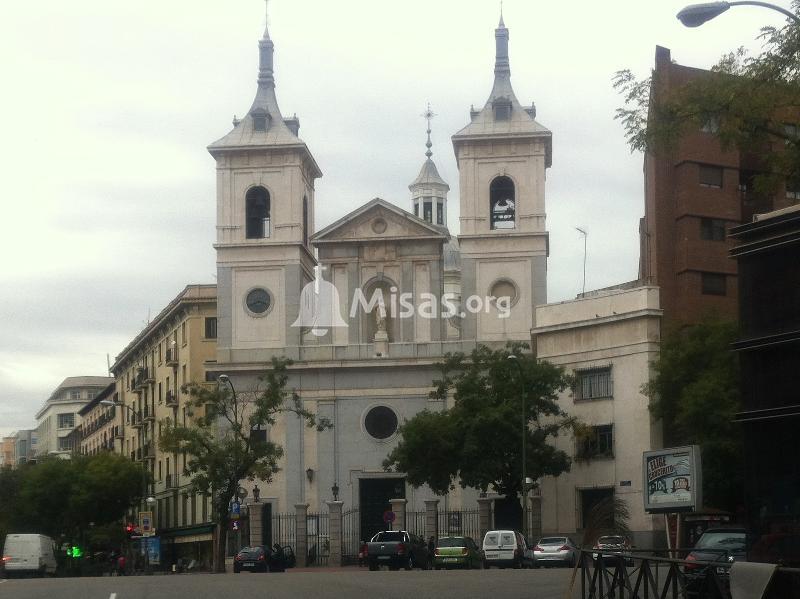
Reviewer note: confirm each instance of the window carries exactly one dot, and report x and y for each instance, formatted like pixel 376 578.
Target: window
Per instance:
pixel 75 394
pixel 91 395
pixel 502 109
pixel 711 176
pixel 380 422
pixel 439 213
pixel 193 503
pixel 183 332
pixel 597 442
pixel 710 125
pixel 416 208
pixel 427 211
pixel 204 501
pixel 792 132
pixel 713 283
pixel 593 383
pixel 501 203
pixel 64 444
pixel 259 119
pixel 211 327
pixel 66 420
pixel 712 229
pixel 257 213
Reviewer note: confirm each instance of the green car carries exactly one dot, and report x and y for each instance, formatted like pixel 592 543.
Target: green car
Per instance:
pixel 457 552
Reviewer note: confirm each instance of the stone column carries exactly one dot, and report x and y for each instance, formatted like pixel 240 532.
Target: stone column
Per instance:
pixel 335 532
pixel 399 509
pixel 256 515
pixel 431 519
pixel 301 534
pixel 484 516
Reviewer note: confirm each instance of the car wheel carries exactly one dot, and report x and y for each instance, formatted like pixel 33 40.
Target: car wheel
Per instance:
pixel 518 565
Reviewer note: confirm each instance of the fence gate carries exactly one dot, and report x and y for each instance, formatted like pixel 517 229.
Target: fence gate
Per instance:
pixel 318 539
pixel 351 538
pixel 460 523
pixel 283 530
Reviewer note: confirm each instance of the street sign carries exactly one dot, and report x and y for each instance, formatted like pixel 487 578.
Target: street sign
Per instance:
pixel 236 509
pixel 146 523
pixel 389 516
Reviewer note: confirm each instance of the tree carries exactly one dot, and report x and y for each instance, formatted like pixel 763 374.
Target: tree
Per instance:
pixel 219 443
pixel 695 391
pixel 62 497
pixel 478 441
pixel 10 483
pixel 745 99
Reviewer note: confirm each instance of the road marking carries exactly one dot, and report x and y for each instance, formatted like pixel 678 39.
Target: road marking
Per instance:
pixel 113 596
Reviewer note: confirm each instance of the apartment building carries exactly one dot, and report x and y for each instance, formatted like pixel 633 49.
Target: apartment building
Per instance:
pixel 7 446
pixel 59 415
pixel 100 428
pixel 174 349
pixel 607 339
pixel 693 195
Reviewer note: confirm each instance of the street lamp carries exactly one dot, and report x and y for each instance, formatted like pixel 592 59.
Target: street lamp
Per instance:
pixel 513 358
pixel 226 380
pixel 695 15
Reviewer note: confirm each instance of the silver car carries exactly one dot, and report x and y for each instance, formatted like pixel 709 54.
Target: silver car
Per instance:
pixel 555 551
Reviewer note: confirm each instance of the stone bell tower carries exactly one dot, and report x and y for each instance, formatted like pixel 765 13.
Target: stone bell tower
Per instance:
pixel 265 216
pixel 502 155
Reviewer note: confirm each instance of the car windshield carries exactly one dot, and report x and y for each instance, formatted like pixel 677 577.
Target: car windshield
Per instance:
pixel 452 542
pixel 250 552
pixel 389 537
pixel 552 541
pixel 733 540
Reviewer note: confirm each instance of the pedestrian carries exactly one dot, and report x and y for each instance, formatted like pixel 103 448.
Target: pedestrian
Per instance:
pixel 431 550
pixel 121 565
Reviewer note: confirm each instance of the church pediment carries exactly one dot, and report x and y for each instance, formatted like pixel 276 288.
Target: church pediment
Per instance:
pixel 378 220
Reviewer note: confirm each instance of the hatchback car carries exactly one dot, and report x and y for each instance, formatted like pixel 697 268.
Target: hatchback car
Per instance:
pixel 612 544
pixel 259 559
pixel 555 551
pixel 457 552
pixel 724 545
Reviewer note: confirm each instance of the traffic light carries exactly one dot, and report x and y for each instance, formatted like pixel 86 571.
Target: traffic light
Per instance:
pixel 130 529
pixel 75 552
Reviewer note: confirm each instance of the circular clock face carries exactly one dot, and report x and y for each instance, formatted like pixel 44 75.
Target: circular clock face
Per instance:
pixel 258 301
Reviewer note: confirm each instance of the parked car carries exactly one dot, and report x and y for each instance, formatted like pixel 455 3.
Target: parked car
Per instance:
pixel 555 551
pixel 612 543
pixel 724 545
pixel 260 559
pixel 28 554
pixel 457 552
pixel 396 549
pixel 504 548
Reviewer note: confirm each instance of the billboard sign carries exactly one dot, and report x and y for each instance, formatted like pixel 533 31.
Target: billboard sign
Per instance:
pixel 146 524
pixel 673 480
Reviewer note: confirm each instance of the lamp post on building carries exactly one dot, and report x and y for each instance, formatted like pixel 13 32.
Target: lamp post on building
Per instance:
pixel 695 15
pixel 515 360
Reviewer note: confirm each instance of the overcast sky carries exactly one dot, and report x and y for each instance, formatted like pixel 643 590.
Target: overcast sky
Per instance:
pixel 107 108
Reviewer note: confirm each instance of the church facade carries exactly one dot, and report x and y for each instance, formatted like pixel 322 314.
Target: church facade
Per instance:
pixel 366 364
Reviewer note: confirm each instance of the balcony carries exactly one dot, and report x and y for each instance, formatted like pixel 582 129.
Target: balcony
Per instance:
pixel 171 358
pixel 170 481
pixel 148 452
pixel 148 415
pixel 144 377
pixel 136 420
pixel 171 399
pixel 118 434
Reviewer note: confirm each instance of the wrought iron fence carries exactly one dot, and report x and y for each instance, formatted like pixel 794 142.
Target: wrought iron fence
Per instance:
pixel 318 539
pixel 460 523
pixel 351 536
pixel 284 529
pixel 415 523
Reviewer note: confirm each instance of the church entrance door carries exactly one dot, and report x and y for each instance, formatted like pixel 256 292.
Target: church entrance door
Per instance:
pixel 374 495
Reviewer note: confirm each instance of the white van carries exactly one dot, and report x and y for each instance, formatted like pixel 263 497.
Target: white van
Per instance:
pixel 29 554
pixel 504 548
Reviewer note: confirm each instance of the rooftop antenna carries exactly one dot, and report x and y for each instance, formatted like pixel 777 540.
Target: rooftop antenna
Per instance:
pixel 585 235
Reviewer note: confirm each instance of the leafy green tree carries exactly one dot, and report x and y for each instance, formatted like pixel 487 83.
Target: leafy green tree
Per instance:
pixel 10 483
pixel 63 497
pixel 477 442
pixel 220 445
pixel 745 99
pixel 695 391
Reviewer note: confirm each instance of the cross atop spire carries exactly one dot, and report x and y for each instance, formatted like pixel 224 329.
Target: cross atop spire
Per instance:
pixel 428 115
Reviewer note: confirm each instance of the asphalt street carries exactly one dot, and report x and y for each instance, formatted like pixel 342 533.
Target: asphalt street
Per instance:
pixel 350 583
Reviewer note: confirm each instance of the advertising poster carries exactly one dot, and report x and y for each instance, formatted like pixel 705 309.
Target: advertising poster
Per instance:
pixel 673 479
